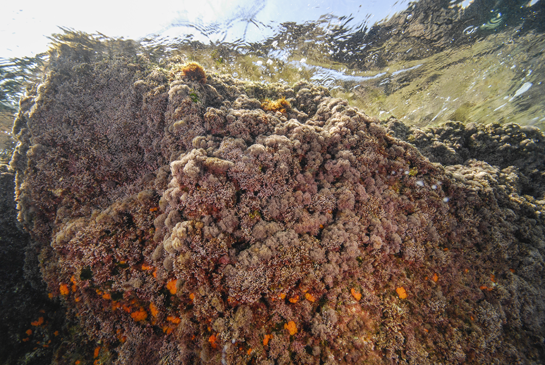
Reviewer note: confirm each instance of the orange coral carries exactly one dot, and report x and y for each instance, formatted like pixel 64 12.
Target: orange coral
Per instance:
pixel 355 294
pixel 194 72
pixel 401 292
pixel 38 322
pixel 153 309
pixel 139 315
pixel 310 297
pixel 281 105
pixel 291 327
pixel 63 288
pixel 173 319
pixel 171 286
pixel 127 308
pixel 435 277
pixel 267 339
pixel 97 351
pixel 212 340
pixel 294 299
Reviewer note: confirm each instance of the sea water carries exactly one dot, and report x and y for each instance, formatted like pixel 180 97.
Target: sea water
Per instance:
pixel 423 62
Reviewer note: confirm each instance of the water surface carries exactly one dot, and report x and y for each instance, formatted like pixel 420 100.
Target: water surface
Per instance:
pixel 424 62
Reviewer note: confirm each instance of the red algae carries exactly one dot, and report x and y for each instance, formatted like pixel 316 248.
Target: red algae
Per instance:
pixel 289 227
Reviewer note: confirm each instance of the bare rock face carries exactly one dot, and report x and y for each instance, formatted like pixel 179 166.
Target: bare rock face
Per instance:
pixel 179 222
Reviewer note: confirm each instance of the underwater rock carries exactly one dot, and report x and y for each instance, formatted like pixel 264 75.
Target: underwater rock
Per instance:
pixel 179 222
pixel 520 149
pixel 426 27
pixel 28 319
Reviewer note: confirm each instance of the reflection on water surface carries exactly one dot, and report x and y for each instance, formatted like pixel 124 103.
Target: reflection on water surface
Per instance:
pixel 472 61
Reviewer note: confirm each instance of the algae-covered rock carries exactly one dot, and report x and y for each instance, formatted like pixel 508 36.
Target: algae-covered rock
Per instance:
pixel 28 319
pixel 180 222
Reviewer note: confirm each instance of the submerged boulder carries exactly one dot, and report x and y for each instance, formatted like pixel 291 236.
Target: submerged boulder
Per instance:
pixel 180 221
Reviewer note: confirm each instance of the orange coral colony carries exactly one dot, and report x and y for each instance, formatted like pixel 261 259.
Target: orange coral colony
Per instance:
pixel 140 315
pixel 171 286
pixel 153 309
pixel 355 294
pixel 291 327
pixel 194 72
pixel 212 340
pixel 310 297
pixel 281 105
pixel 38 322
pixel 63 288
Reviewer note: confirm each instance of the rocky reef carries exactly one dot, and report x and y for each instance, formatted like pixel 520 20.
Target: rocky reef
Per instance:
pixel 180 221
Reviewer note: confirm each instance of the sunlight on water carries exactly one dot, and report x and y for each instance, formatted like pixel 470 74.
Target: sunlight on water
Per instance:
pixel 420 62
pixel 424 65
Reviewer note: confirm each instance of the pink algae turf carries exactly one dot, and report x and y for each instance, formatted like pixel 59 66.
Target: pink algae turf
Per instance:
pixel 195 223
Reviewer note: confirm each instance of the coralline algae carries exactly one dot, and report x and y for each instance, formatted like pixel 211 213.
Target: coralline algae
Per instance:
pixel 180 223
